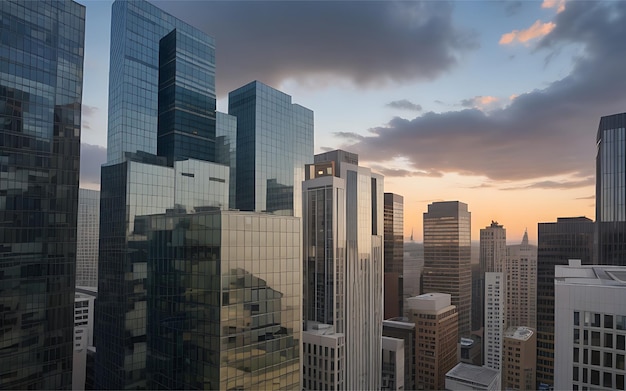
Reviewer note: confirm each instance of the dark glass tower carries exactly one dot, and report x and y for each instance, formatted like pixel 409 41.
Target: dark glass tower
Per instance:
pixel 447 247
pixel 41 77
pixel 611 191
pixel 568 238
pixel 394 254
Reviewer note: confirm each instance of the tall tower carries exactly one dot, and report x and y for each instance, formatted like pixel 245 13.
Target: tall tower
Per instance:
pixel 495 302
pixel 88 228
pixel 610 193
pixel 343 257
pixel 270 129
pixel 447 246
pixel 493 248
pixel 41 80
pixel 567 238
pixel 521 284
pixel 394 253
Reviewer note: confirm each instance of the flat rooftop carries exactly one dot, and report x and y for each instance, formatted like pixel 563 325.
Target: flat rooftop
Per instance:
pixel 600 275
pixel 473 373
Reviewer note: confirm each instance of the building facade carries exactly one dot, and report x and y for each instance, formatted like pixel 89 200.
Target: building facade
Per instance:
pixel 567 238
pixel 495 302
pixel 274 143
pixel 394 253
pixel 436 323
pixel 590 314
pixel 401 328
pixel 393 370
pixel 493 248
pixel 521 284
pixel 343 258
pixel 323 358
pixel 41 79
pixel 83 334
pixel 88 233
pixel 519 355
pixel 447 256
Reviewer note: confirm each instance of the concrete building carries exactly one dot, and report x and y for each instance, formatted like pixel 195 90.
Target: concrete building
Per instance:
pixel 436 323
pixel 83 334
pixel 472 377
pixel 567 238
pixel 393 364
pixel 590 316
pixel 492 256
pixel 519 354
pixel 495 302
pixel 323 358
pixel 87 239
pixel 447 256
pixel 413 260
pixel 343 258
pixel 521 284
pixel 394 253
pixel 401 328
pixel 471 350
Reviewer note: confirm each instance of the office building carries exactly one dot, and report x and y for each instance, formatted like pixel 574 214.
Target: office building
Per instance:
pixel 521 284
pixel 226 150
pixel 393 364
pixel 436 323
pixel 394 253
pixel 224 294
pixel 519 355
pixel 87 240
pixel 478 298
pixel 83 334
pixel 447 252
pixel 413 264
pixel 343 258
pixel 401 328
pixel 323 358
pixel 471 350
pixel 41 79
pixel 495 301
pixel 610 193
pixel 567 238
pixel 590 314
pixel 274 143
pixel 472 377
pixel 493 248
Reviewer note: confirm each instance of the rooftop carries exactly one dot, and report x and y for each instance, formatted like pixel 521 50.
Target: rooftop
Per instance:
pixel 521 333
pixel 600 275
pixel 473 373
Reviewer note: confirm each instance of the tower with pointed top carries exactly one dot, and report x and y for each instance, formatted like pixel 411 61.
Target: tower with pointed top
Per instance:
pixel 521 280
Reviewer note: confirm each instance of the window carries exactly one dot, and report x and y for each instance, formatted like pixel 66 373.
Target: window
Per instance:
pixel 608 321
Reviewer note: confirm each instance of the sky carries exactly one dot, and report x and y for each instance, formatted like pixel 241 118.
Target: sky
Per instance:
pixel 492 103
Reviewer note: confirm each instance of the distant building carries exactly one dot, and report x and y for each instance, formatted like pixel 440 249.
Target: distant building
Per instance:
pixel 478 297
pixel 83 335
pixel 436 323
pixel 401 328
pixel 493 248
pixel 519 354
pixel 413 264
pixel 495 302
pixel 447 253
pixel 394 253
pixel 590 316
pixel 521 284
pixel 393 364
pixel 87 240
pixel 567 238
pixel 472 377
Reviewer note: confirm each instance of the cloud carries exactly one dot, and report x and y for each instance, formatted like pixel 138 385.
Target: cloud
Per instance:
pixel 481 102
pixel 591 197
pixel 558 4
pixel 87 112
pixel 328 40
pixel 556 184
pixel 405 105
pixel 540 134
pixel 394 172
pixel 91 158
pixel 537 30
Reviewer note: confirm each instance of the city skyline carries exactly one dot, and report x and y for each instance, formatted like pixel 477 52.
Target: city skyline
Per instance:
pixel 500 113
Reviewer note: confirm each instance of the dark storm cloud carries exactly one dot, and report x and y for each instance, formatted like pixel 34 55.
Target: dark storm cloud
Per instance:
pixel 541 133
pixel 91 158
pixel 368 43
pixel 404 104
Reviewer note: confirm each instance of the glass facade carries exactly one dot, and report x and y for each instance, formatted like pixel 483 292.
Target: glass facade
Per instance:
pixel 41 73
pixel 88 229
pixel 226 149
pixel 141 186
pixel 394 255
pixel 224 294
pixel 137 28
pixel 568 238
pixel 447 247
pixel 274 142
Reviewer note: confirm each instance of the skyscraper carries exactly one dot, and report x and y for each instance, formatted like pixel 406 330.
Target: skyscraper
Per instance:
pixel 519 355
pixel 493 248
pixel 88 229
pixel 567 238
pixel 343 258
pixel 447 241
pixel 274 142
pixel 394 253
pixel 495 302
pixel 521 284
pixel 41 77
pixel 610 190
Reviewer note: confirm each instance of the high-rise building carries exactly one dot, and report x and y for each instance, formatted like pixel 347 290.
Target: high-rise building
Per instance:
pixel 521 284
pixel 413 264
pixel 590 314
pixel 323 358
pixel 567 238
pixel 393 364
pixel 226 150
pixel 447 256
pixel 343 258
pixel 493 248
pixel 394 253
pixel 495 301
pixel 41 79
pixel 224 300
pixel 274 143
pixel 436 322
pixel 83 334
pixel 478 297
pixel 88 232
pixel 519 354
pixel 402 329
pixel 610 193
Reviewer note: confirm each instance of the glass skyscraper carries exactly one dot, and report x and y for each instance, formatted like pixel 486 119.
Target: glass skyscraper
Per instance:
pixel 41 75
pixel 394 255
pixel 274 142
pixel 611 191
pixel 447 247
pixel 88 228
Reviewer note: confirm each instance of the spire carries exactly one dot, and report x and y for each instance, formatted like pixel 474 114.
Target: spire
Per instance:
pixel 525 238
pixel 411 234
